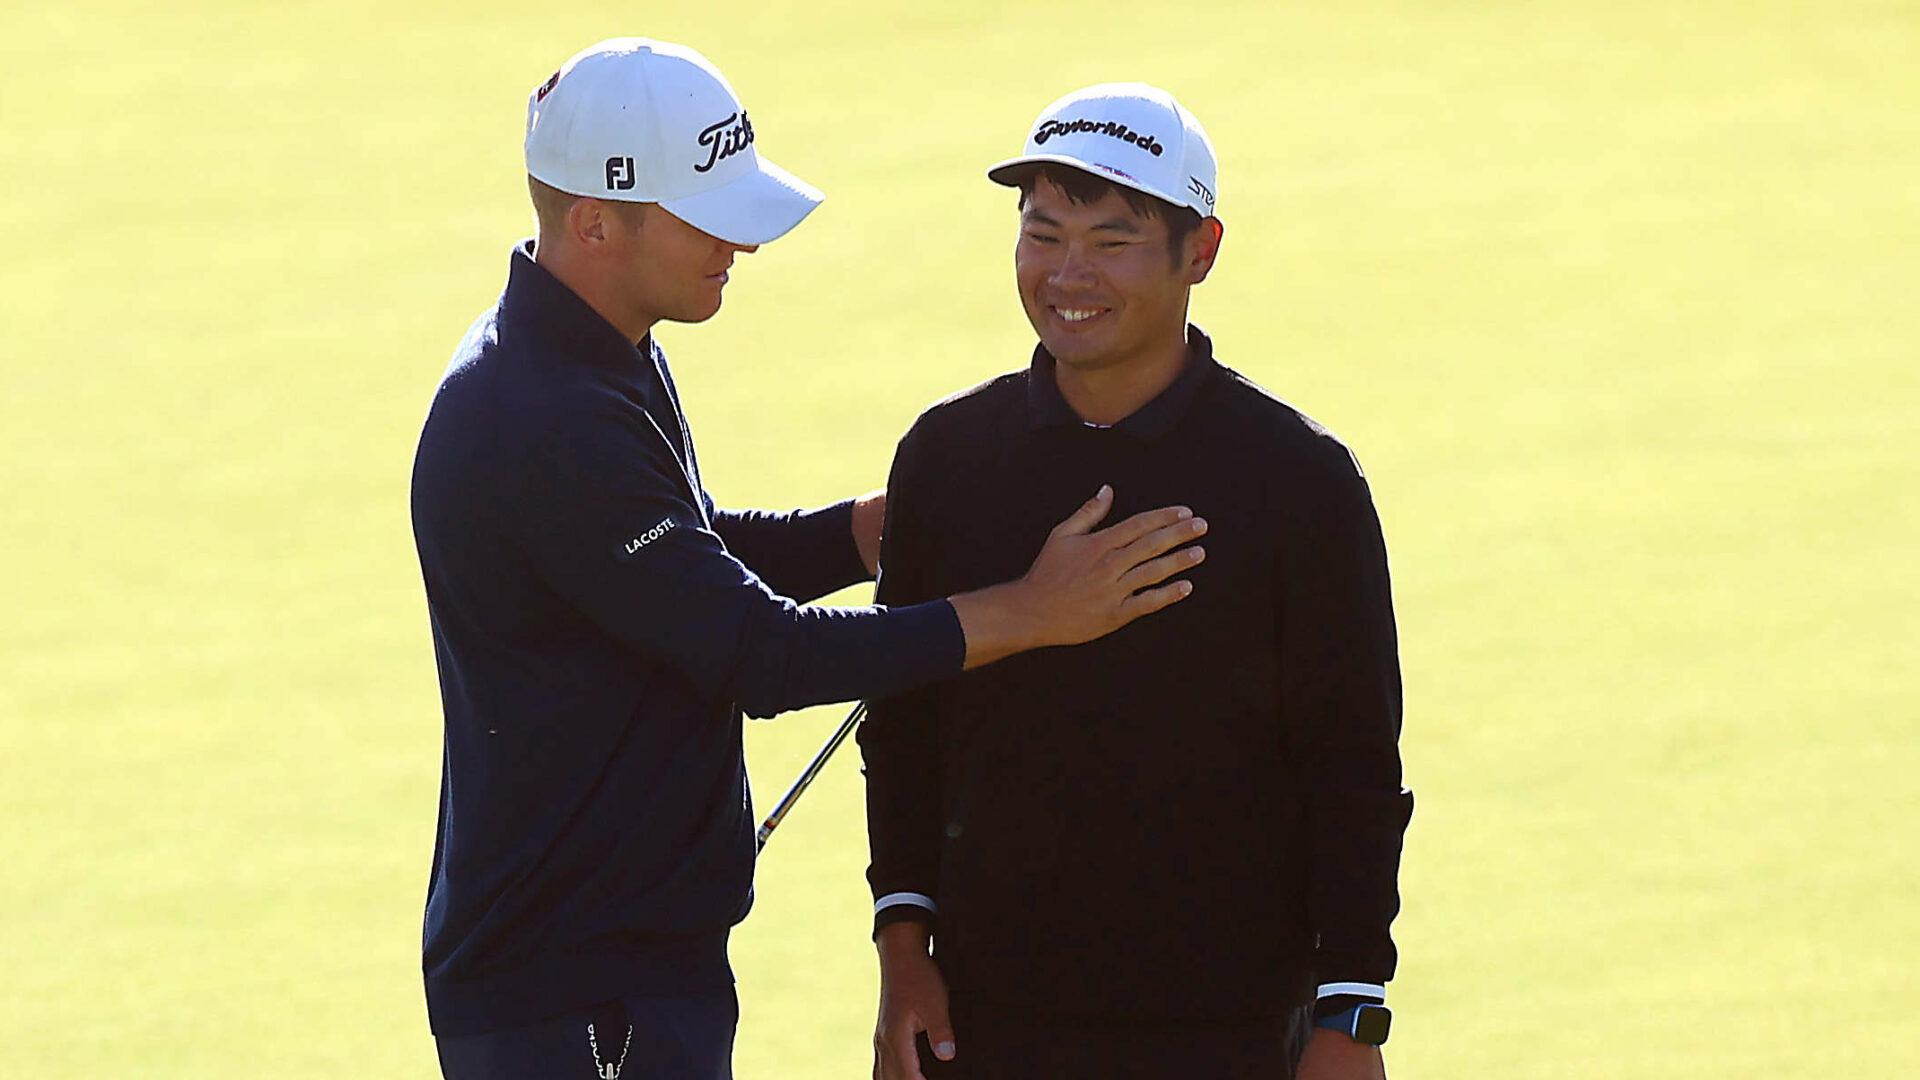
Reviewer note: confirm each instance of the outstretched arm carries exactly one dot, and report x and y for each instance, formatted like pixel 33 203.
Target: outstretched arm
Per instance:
pixel 606 523
pixel 802 554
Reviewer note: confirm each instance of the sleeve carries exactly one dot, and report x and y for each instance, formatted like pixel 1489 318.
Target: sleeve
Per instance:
pixel 609 525
pixel 899 743
pixel 1340 681
pixel 803 554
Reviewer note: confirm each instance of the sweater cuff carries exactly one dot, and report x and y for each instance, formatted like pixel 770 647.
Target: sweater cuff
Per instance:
pixel 937 618
pixel 840 515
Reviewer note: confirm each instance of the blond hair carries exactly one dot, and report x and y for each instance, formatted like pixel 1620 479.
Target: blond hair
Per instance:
pixel 550 207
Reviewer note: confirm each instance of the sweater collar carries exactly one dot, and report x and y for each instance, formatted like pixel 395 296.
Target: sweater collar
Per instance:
pixel 1047 408
pixel 537 302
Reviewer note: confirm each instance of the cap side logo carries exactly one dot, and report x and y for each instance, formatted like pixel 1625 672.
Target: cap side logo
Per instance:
pixel 725 139
pixel 1141 139
pixel 620 176
pixel 546 88
pixel 1194 185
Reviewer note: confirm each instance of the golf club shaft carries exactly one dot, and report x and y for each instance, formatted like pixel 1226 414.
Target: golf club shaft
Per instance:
pixel 813 769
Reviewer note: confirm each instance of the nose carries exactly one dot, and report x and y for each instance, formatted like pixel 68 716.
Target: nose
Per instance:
pixel 744 249
pixel 1073 271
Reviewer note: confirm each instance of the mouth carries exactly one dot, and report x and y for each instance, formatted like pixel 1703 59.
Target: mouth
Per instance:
pixel 1077 316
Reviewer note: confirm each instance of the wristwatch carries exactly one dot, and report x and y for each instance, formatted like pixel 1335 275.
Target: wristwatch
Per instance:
pixel 1366 1023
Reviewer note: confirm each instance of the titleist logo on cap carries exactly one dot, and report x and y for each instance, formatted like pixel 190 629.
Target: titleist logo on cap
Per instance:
pixel 725 139
pixel 1100 127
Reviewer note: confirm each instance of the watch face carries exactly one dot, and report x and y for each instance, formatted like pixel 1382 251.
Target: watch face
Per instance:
pixel 1371 1023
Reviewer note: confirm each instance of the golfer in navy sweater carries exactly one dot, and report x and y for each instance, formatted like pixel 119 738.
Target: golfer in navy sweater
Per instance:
pixel 600 625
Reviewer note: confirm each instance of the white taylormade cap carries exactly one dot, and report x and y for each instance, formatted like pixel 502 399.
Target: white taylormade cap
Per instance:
pixel 1130 133
pixel 636 120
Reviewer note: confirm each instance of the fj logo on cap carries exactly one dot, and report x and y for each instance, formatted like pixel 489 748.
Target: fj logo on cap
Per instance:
pixel 619 174
pixel 725 139
pixel 1107 127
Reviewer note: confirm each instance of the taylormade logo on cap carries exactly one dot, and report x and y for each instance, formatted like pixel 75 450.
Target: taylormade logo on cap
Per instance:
pixel 1049 128
pixel 638 120
pixel 1136 135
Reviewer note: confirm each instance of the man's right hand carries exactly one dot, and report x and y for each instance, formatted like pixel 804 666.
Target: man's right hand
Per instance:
pixel 913 999
pixel 1083 584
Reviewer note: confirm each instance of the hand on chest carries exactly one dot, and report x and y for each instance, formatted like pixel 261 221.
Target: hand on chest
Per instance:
pixel 994 517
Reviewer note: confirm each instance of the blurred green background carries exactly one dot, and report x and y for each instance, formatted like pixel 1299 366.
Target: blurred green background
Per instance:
pixel 1615 300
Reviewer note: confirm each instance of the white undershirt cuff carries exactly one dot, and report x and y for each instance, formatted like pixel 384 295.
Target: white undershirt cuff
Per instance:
pixel 1376 991
pixel 895 899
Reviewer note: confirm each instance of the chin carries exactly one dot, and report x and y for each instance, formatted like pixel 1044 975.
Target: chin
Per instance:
pixel 1074 350
pixel 696 315
pixel 1079 355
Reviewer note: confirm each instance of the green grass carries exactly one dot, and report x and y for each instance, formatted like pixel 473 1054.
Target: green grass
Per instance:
pixel 1615 301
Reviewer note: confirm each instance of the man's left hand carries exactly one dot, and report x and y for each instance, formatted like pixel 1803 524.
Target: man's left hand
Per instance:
pixel 869 513
pixel 1332 1056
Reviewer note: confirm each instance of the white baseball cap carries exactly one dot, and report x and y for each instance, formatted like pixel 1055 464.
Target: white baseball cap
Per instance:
pixel 636 120
pixel 1133 134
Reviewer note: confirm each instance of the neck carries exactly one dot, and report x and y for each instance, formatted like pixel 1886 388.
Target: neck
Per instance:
pixel 1107 395
pixel 599 293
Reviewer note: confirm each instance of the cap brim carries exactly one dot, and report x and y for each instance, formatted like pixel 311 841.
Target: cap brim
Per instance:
pixel 759 207
pixel 1009 174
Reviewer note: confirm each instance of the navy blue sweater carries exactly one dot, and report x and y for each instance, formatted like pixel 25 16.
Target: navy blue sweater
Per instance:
pixel 599 626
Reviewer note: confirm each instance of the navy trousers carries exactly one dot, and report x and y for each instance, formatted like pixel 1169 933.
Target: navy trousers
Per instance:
pixel 685 1037
pixel 1000 1044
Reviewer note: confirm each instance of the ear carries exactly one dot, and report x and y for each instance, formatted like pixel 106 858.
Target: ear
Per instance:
pixel 587 224
pixel 1202 248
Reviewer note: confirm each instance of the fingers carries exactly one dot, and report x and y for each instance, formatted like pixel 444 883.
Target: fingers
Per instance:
pixel 940 1034
pixel 1083 520
pixel 1158 570
pixel 1160 540
pixel 898 1058
pixel 1152 600
pixel 1146 525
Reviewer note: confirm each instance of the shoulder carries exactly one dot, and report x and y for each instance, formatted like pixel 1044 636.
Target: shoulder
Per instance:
pixel 462 415
pixel 506 401
pixel 1298 441
pixel 983 399
pixel 959 418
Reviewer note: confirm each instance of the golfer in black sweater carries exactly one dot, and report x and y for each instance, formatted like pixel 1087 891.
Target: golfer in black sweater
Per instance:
pixel 1173 852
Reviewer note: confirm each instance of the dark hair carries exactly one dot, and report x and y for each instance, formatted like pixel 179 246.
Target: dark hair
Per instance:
pixel 1083 187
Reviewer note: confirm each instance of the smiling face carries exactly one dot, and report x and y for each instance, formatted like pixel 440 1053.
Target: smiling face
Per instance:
pixel 1099 283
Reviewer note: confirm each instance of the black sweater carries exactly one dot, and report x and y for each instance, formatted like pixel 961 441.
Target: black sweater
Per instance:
pixel 1197 816
pixel 599 625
